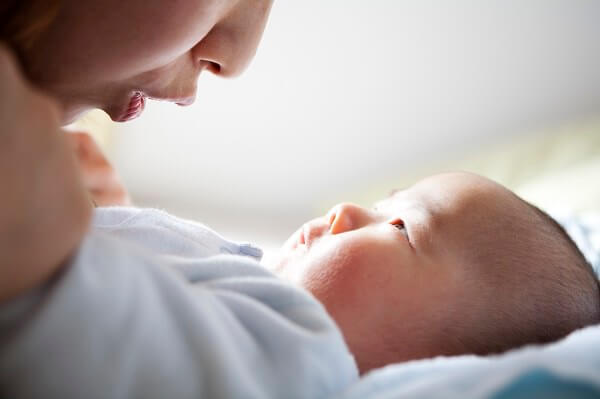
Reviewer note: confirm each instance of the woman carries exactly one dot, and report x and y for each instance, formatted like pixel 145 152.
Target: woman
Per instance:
pixel 137 303
pixel 111 55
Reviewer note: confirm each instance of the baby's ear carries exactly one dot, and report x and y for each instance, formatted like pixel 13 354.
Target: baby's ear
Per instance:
pixel 99 176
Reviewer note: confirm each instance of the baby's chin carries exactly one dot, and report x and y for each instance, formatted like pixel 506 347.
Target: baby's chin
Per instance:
pixel 272 262
pixel 284 258
pixel 277 263
pixel 287 265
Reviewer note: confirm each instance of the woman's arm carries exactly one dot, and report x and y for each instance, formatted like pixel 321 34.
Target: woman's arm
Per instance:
pixel 44 209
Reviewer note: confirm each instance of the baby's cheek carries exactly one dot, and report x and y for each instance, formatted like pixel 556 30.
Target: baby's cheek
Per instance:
pixel 340 279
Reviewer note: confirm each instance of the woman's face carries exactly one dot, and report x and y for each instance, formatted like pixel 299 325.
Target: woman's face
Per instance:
pixel 113 54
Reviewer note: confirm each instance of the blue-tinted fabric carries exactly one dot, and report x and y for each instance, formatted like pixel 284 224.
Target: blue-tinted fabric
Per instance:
pixel 150 307
pixel 541 383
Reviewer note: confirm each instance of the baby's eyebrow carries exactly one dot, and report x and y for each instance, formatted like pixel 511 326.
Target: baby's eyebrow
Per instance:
pixel 390 195
pixel 395 191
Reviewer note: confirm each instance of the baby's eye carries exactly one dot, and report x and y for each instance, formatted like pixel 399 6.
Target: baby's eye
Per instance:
pixel 399 224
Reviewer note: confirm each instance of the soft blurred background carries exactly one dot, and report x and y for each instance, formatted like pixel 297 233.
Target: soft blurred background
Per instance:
pixel 347 99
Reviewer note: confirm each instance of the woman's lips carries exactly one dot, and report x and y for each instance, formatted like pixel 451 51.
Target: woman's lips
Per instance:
pixel 134 108
pixel 137 102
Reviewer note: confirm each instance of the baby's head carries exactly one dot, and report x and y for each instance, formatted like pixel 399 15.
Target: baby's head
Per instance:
pixel 455 264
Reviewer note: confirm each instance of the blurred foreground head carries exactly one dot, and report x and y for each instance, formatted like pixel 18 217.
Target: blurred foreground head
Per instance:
pixel 113 54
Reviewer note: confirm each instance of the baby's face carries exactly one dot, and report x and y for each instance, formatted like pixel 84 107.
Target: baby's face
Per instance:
pixel 391 276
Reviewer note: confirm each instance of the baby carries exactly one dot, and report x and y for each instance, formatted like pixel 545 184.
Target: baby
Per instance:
pixel 157 306
pixel 455 264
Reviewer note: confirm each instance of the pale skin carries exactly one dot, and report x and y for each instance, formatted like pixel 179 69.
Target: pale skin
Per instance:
pixel 45 209
pixel 393 276
pixel 97 54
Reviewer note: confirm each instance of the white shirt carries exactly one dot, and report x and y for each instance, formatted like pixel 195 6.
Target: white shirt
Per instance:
pixel 150 307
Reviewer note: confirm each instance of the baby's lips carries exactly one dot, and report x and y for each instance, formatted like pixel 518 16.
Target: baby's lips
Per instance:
pixel 313 230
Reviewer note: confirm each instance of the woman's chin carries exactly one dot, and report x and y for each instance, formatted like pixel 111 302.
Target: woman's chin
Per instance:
pixel 72 114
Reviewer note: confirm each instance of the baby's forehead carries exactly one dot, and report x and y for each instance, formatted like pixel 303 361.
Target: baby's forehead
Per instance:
pixel 463 205
pixel 397 196
pixel 456 198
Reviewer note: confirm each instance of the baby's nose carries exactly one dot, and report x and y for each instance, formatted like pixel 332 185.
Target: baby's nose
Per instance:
pixel 345 217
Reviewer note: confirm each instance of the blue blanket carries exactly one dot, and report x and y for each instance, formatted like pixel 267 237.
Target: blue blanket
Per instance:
pixel 567 369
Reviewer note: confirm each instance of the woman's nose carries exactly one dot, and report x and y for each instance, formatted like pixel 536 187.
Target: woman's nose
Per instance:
pixel 231 44
pixel 346 217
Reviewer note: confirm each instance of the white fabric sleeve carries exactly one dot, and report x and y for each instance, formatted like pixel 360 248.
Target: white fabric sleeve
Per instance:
pixel 119 323
pixel 163 233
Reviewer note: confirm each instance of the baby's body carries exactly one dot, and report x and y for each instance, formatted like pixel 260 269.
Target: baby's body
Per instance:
pixel 154 306
pixel 155 294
